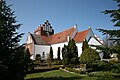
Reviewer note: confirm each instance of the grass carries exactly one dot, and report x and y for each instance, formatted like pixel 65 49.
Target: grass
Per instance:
pixel 62 75
pixel 53 75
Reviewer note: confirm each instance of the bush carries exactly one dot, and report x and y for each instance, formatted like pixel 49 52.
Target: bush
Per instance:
pixel 116 68
pixel 75 71
pixel 89 56
pixel 57 62
pixel 101 65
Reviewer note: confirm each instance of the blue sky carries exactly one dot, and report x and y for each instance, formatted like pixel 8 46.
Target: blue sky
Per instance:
pixel 62 14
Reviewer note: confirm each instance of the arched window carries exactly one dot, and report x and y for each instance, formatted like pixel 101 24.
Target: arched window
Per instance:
pixel 43 55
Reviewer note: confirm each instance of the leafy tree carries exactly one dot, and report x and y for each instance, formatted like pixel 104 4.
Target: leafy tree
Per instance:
pixel 88 56
pixel 58 53
pixel 12 57
pixel 70 53
pixel 51 54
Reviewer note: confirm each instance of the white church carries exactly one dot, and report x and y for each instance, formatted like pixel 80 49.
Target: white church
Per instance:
pixel 43 38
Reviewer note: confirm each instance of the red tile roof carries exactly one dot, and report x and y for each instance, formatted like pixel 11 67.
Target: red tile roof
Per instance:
pixel 80 36
pixel 62 36
pixel 59 37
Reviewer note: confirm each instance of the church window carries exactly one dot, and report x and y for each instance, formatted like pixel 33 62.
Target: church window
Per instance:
pixel 43 55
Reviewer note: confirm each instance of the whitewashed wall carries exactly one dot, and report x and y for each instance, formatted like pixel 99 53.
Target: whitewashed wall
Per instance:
pixel 29 39
pixel 93 41
pixel 39 49
pixel 90 34
pixel 55 48
pixel 79 46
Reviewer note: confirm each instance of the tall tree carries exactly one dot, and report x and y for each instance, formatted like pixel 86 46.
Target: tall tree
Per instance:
pixel 85 45
pixel 58 53
pixel 51 54
pixel 70 53
pixel 115 14
pixel 114 34
pixel 11 55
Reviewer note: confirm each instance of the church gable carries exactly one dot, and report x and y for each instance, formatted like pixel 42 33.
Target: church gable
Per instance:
pixel 44 29
pixel 29 38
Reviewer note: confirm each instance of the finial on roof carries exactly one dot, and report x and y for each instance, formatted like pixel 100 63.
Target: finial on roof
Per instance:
pixel 75 25
pixel 89 27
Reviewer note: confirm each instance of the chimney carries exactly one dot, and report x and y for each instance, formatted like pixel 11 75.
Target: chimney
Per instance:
pixel 75 26
pixel 68 38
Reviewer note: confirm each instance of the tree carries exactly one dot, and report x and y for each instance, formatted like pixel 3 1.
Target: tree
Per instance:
pixel 12 56
pixel 89 56
pixel 85 45
pixel 115 14
pixel 114 34
pixel 58 53
pixel 70 53
pixel 51 54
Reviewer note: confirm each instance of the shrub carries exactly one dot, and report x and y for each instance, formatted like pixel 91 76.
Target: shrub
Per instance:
pixel 75 71
pixel 57 62
pixel 89 56
pixel 101 65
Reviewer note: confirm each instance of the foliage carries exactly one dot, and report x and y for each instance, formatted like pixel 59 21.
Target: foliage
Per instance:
pixel 58 53
pixel 12 56
pixel 101 75
pixel 62 75
pixel 104 49
pixel 38 59
pixel 57 62
pixel 114 34
pixel 89 56
pixel 51 54
pixel 75 71
pixel 85 45
pixel 116 49
pixel 115 14
pixel 70 53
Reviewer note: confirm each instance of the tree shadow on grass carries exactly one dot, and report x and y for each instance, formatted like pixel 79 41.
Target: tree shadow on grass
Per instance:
pixel 57 78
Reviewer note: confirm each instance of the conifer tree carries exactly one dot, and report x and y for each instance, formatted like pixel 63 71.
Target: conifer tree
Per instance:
pixel 58 53
pixel 11 54
pixel 51 54
pixel 70 53
pixel 115 15
pixel 85 45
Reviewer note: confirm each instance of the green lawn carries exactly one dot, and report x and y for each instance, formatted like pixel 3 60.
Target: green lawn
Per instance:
pixel 62 75
pixel 53 75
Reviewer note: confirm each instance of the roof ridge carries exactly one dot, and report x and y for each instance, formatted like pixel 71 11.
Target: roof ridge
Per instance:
pixel 63 31
pixel 84 30
pixel 79 37
pixel 98 39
